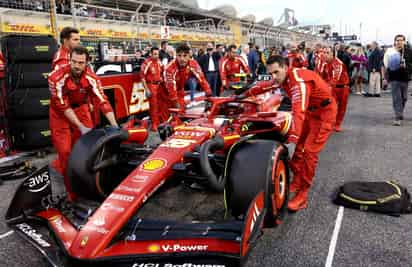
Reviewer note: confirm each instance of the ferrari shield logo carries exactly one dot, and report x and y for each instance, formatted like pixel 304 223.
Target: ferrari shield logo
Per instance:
pixel 154 164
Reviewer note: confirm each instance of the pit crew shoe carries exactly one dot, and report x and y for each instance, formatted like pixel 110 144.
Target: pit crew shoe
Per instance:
pixel 300 201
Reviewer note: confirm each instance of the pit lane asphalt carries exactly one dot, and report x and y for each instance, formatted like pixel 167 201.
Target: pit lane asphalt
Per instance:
pixel 370 149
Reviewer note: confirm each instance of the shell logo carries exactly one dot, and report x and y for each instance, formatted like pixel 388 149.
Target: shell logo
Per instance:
pixel 84 241
pixel 154 164
pixel 153 248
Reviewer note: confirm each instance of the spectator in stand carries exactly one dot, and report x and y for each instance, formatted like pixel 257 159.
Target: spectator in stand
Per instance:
pixel 210 66
pixel 359 74
pixel 398 65
pixel 375 63
pixel 253 59
pixel 164 56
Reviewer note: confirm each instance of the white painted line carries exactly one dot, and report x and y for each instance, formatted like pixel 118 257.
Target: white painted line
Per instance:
pixel 334 240
pixel 6 234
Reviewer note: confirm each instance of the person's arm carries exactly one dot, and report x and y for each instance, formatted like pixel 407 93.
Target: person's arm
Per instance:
pixel 198 73
pixel 244 66
pixel 170 83
pixel 143 72
pixel 111 118
pixel 222 71
pixel 299 93
pixel 97 95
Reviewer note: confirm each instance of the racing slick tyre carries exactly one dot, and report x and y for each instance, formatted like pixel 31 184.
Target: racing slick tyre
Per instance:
pixel 253 166
pixel 88 177
pixel 33 75
pixel 27 134
pixel 18 48
pixel 30 103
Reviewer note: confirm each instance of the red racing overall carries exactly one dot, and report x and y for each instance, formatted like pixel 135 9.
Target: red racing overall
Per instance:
pixel 297 60
pixel 61 58
pixel 338 78
pixel 152 74
pixel 229 67
pixel 313 120
pixel 66 94
pixel 176 77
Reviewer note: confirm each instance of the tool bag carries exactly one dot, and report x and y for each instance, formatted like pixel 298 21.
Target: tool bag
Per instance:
pixel 383 197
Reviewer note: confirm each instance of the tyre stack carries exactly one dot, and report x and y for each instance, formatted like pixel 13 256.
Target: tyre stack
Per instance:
pixel 29 61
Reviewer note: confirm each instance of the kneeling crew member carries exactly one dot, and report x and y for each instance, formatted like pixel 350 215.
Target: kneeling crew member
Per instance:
pixel 313 120
pixel 179 71
pixel 73 87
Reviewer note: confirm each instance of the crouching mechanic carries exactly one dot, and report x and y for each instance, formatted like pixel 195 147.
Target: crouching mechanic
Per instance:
pixel 313 120
pixel 73 87
pixel 179 71
pixel 338 78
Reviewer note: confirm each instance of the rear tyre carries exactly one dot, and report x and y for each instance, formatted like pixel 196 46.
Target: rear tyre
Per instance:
pixel 258 165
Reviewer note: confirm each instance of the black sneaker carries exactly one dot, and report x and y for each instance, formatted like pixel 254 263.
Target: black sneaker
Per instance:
pixel 377 95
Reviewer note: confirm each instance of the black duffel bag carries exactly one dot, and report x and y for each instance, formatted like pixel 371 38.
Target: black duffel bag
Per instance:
pixel 21 48
pixel 383 197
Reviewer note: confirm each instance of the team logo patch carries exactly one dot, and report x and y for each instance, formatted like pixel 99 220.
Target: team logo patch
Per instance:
pixel 153 248
pixel 154 164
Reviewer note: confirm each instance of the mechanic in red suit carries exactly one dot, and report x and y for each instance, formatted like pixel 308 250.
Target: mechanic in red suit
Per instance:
pixel 319 60
pixel 178 71
pixel 72 88
pixel 152 78
pixel 297 59
pixel 313 120
pixel 338 78
pixel 69 38
pixel 230 65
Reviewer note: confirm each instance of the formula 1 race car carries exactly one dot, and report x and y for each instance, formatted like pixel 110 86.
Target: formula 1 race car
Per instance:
pixel 230 154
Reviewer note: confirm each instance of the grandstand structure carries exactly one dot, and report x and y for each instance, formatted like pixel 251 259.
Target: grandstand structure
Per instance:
pixel 134 23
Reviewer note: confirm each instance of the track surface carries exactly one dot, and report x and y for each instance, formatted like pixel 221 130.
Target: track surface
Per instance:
pixel 370 149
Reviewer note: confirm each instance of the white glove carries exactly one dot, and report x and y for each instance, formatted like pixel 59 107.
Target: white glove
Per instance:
pixel 84 130
pixel 291 149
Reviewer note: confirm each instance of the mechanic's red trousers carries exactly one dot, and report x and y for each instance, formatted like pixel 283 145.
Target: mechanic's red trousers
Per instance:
pixel 341 96
pixel 317 128
pixel 154 102
pixel 64 135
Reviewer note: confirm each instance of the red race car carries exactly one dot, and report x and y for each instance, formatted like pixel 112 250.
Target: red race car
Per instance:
pixel 232 149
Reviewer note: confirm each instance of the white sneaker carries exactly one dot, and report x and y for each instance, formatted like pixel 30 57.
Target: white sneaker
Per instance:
pixel 396 123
